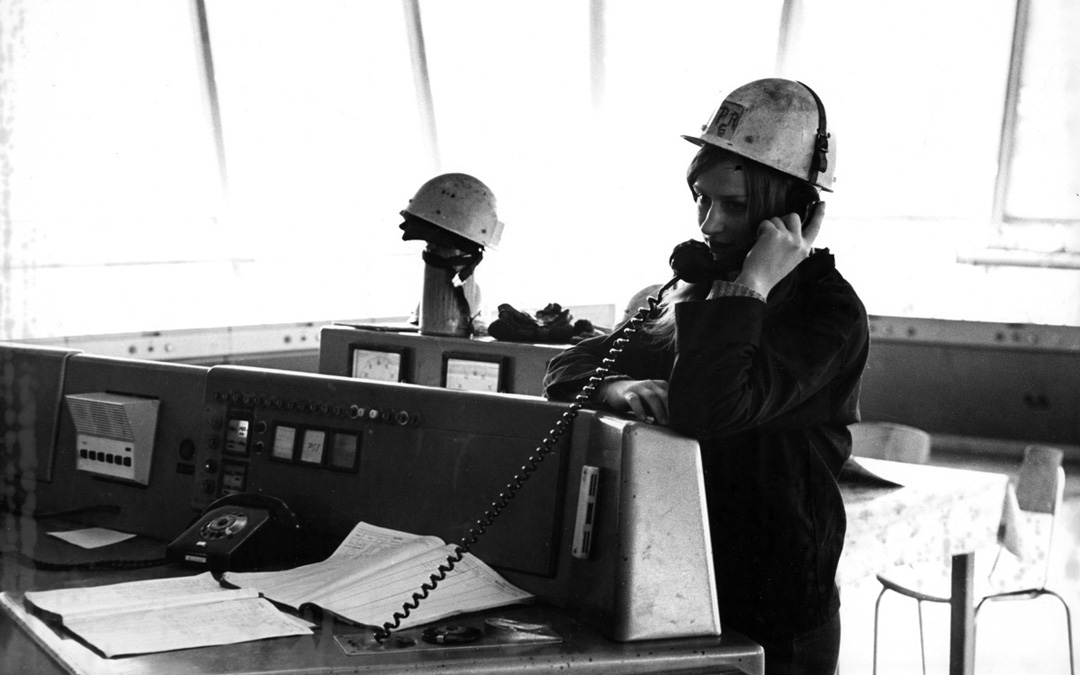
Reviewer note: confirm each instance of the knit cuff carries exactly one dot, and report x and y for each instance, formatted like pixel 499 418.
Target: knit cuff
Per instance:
pixel 731 289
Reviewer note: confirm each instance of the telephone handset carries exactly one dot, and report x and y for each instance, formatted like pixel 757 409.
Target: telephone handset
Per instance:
pixel 240 532
pixel 692 261
pixel 803 199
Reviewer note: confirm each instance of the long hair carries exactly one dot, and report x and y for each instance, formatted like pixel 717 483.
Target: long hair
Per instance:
pixel 768 193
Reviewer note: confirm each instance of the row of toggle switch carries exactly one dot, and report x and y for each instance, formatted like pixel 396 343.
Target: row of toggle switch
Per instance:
pixel 401 418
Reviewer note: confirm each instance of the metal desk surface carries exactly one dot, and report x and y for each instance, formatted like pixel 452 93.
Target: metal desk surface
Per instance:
pixel 29 642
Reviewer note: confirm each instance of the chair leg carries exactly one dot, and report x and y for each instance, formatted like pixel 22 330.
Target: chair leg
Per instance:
pixel 1068 625
pixel 877 608
pixel 922 642
pixel 975 629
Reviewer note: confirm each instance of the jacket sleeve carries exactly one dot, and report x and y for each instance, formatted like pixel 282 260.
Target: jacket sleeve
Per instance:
pixel 738 368
pixel 569 371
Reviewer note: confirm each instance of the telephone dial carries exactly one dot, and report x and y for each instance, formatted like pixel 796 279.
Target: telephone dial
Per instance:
pixel 240 532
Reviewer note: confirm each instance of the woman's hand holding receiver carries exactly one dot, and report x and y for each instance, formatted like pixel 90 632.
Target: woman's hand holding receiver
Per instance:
pixel 782 243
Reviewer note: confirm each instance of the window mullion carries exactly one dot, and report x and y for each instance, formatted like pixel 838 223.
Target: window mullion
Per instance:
pixel 790 20
pixel 1009 118
pixel 205 53
pixel 422 81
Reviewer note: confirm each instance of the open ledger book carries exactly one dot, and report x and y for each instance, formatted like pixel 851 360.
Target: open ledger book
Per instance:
pixel 375 571
pixel 159 615
pixel 368 578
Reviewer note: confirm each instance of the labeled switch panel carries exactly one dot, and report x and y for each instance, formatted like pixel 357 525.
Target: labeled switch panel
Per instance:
pixel 304 422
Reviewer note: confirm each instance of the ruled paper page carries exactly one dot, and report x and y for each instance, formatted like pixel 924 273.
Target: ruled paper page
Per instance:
pixel 200 625
pixel 367 550
pixel 70 603
pixel 471 586
pixel 375 570
pixel 156 615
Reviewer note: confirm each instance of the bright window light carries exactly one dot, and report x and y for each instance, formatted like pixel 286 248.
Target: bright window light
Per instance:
pixel 115 217
pixel 109 174
pixel 1044 181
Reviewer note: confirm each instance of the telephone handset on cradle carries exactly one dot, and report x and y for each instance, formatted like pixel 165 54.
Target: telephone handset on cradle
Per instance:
pixel 240 532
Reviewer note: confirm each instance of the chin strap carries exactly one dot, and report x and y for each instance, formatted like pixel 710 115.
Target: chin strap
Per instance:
pixel 463 264
pixel 820 162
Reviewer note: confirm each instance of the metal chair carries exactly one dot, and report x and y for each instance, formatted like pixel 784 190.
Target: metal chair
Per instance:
pixel 889 440
pixel 1039 493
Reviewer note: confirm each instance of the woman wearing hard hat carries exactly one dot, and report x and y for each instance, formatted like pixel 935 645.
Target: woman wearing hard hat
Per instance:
pixel 757 353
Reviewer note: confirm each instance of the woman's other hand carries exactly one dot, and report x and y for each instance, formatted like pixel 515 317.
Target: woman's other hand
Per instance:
pixel 647 400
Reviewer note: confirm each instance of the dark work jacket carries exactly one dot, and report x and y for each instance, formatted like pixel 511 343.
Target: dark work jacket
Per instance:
pixel 768 390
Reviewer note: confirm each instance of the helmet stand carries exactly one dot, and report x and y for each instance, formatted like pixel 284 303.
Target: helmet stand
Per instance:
pixel 455 214
pixel 446 307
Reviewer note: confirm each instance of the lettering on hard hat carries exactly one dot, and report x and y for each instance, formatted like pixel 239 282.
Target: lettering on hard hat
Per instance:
pixel 727 119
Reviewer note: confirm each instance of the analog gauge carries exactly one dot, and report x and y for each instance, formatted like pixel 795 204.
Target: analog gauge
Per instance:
pixel 470 375
pixel 369 364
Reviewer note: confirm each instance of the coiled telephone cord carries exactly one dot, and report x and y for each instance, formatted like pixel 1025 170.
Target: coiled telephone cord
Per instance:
pixel 545 448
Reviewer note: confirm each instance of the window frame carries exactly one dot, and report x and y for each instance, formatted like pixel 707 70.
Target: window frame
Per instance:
pixel 1011 236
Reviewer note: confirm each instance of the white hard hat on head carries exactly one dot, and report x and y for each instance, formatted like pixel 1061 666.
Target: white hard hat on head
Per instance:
pixel 461 204
pixel 779 123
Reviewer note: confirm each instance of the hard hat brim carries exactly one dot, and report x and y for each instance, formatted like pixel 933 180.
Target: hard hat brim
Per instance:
pixel 730 147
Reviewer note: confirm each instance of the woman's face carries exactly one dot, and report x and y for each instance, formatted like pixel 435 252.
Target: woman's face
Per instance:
pixel 722 212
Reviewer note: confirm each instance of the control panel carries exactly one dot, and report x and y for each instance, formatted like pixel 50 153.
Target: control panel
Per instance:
pixel 339 450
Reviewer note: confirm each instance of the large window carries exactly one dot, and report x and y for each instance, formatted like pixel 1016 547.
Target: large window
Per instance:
pixel 321 131
pixel 574 120
pixel 918 118
pixel 249 167
pixel 1044 173
pixel 918 121
pixel 111 196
